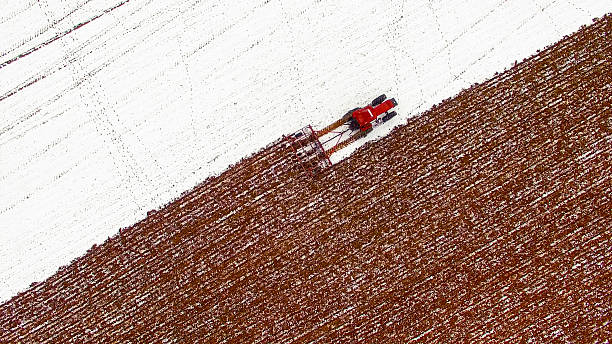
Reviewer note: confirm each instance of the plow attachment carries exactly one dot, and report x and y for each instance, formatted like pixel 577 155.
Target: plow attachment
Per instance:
pixel 313 148
pixel 308 150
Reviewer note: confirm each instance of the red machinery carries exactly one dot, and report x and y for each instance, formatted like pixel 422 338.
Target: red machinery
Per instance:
pixel 313 148
pixel 364 117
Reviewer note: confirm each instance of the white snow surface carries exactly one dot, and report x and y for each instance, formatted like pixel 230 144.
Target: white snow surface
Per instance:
pixel 123 114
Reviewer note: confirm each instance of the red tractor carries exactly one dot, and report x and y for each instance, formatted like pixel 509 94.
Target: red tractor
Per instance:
pixel 313 148
pixel 358 123
pixel 362 118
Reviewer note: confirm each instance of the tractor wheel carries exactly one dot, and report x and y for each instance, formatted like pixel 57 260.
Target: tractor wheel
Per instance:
pixel 353 124
pixel 378 100
pixel 349 115
pixel 389 116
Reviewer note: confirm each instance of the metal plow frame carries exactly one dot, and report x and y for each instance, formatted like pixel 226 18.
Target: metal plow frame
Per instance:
pixel 309 151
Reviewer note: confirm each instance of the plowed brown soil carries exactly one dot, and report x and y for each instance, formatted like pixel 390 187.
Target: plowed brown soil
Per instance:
pixel 487 219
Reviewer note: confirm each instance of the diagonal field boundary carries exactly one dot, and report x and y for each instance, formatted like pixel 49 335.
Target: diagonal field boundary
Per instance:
pixel 486 219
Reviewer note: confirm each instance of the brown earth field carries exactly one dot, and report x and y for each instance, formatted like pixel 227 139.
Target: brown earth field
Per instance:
pixel 487 219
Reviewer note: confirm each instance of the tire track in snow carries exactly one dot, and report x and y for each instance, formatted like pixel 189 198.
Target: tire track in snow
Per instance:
pixel 15 13
pixel 106 125
pixel 471 26
pixel 58 37
pixel 56 66
pixel 48 183
pixel 61 63
pixel 107 130
pixel 102 66
pixel 115 137
pixel 434 13
pixel 487 52
pixel 44 29
pixel 225 29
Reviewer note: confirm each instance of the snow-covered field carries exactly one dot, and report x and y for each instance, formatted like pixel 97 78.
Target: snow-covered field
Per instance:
pixel 101 122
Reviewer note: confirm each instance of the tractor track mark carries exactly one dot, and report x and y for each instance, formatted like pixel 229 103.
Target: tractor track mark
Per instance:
pixel 21 87
pixel 32 158
pixel 470 27
pixel 15 13
pixel 478 221
pixel 52 180
pixel 226 29
pixel 60 36
pixel 60 64
pixel 44 29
